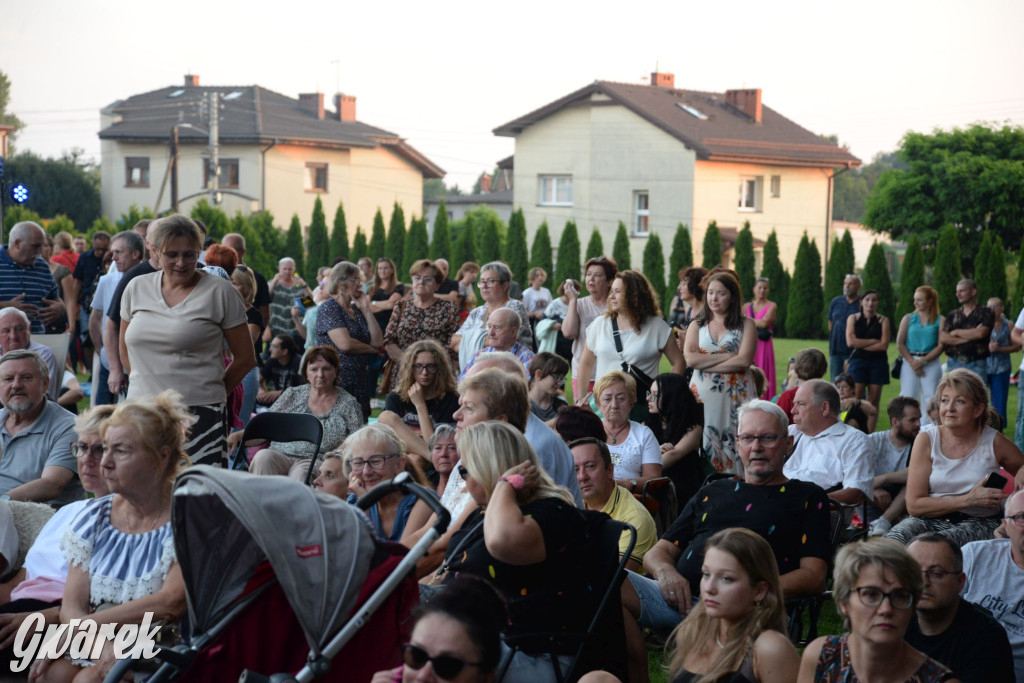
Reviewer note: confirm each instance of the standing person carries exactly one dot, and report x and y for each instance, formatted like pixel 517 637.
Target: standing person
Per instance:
pixel 345 322
pixel 1000 346
pixel 965 336
pixel 262 298
pixel 536 297
pixel 118 380
pixel 466 276
pixel 762 312
pixel 918 343
pixel 867 335
pixel 736 632
pixel 1017 337
pixel 447 288
pixel 25 278
pixel 62 276
pixel 89 268
pixel 284 289
pixel 839 311
pixel 691 300
pixel 385 292
pixel 63 250
pixel 245 284
pixel 174 325
pixel 720 345
pixel 598 273
pixel 366 273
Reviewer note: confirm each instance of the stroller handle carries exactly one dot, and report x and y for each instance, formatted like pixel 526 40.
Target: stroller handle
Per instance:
pixel 404 483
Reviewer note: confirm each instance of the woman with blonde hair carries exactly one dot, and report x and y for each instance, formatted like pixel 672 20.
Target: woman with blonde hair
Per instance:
pixel 736 632
pixel 917 342
pixel 245 284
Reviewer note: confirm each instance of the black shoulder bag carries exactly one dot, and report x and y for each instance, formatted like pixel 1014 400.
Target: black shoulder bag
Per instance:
pixel 643 381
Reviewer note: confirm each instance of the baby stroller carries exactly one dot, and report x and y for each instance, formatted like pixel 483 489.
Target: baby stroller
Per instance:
pixel 279 578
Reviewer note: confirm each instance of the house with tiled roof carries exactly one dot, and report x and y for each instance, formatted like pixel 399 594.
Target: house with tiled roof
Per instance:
pixel 653 156
pixel 274 153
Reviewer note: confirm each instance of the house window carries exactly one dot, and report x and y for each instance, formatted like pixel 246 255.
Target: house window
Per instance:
pixel 750 193
pixel 556 190
pixel 776 186
pixel 316 177
pixel 227 175
pixel 641 214
pixel 136 171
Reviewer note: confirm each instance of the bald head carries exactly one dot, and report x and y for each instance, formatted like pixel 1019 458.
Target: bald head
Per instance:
pixel 496 360
pixel 502 329
pixel 236 242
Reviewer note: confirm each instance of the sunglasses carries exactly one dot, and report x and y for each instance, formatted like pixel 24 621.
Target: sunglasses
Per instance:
pixel 463 472
pixel 445 666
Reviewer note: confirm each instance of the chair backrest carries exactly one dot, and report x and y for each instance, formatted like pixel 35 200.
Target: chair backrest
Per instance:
pixel 660 499
pixel 284 427
pixel 58 344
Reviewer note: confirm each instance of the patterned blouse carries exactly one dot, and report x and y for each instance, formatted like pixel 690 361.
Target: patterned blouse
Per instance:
pixel 330 316
pixel 281 302
pixel 834 665
pixel 345 417
pixel 410 323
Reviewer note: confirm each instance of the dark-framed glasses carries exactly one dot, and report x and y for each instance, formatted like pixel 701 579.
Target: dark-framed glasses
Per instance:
pixel 933 574
pixel 186 256
pixel 429 368
pixel 766 440
pixel 1017 519
pixel 376 462
pixel 445 666
pixel 83 450
pixel 872 597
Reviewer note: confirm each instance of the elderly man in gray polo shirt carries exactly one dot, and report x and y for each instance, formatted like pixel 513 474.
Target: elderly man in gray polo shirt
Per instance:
pixel 36 435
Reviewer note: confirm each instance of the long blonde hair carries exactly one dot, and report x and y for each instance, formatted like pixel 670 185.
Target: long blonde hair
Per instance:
pixel 698 629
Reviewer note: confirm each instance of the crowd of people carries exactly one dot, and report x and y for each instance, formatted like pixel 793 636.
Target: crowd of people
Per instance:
pixel 526 413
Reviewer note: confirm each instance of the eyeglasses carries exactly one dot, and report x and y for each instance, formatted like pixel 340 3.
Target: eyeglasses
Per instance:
pixel 489 282
pixel 463 472
pixel 84 450
pixel 445 666
pixel 1017 519
pixel 425 279
pixel 559 381
pixel 376 462
pixel 186 256
pixel 872 597
pixel 429 368
pixel 767 440
pixel 936 574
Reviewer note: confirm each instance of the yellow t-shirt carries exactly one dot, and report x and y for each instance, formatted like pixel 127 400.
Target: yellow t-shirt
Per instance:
pixel 623 507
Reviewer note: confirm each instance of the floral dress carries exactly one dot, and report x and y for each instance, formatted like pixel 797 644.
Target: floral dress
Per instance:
pixel 330 316
pixel 834 665
pixel 722 394
pixel 409 323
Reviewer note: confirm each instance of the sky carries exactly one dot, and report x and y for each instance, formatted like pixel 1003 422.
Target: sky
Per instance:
pixel 444 75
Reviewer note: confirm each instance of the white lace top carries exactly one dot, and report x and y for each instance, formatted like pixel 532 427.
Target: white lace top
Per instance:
pixel 121 566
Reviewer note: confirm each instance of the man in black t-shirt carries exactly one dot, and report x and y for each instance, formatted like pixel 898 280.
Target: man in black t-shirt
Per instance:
pixel 281 371
pixel 947 628
pixel 262 299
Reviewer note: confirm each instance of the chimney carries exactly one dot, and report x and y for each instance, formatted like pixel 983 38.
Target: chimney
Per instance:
pixel 313 102
pixel 345 107
pixel 485 184
pixel 191 81
pixel 663 80
pixel 747 101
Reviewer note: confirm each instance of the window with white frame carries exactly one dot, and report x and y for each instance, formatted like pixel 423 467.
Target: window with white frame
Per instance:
pixel 136 171
pixel 641 213
pixel 556 190
pixel 316 177
pixel 227 174
pixel 776 186
pixel 750 193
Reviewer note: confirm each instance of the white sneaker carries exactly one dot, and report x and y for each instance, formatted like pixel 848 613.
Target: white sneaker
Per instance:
pixel 879 527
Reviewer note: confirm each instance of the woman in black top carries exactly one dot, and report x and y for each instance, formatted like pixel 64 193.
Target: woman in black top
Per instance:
pixel 867 335
pixel 677 421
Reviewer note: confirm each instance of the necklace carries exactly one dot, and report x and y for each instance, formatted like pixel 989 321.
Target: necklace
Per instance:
pixel 131 527
pixel 718 641
pixel 614 438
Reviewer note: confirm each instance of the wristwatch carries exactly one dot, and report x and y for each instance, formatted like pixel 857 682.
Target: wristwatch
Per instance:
pixel 632 485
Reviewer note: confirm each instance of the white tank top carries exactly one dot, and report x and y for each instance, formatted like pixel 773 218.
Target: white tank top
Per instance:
pixel 955 477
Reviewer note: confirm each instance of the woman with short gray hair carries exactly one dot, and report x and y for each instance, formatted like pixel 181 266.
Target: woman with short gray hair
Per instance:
pixel 495 280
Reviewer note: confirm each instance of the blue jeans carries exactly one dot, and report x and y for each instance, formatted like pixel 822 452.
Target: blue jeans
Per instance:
pixel 999 388
pixel 654 611
pixel 978 367
pixel 100 390
pixel 250 387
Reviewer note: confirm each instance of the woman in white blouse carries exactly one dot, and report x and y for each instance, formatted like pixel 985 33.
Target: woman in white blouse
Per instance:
pixel 635 451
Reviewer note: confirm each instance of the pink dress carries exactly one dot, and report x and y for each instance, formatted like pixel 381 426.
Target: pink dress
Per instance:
pixel 764 357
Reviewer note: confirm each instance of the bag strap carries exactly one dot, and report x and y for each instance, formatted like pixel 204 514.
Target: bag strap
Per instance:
pixel 616 337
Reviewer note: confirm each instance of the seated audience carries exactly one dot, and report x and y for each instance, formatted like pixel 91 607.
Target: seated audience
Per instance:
pixel 375 454
pixel 833 455
pixel 281 370
pixel 16 335
pixel 37 461
pixel 950 464
pixel 793 516
pixel 120 547
pixel 809 364
pixel 502 332
pixel 887 582
pixel 332 479
pixel 547 378
pixel 600 492
pixel 677 420
pixel 634 448
pixel 995 578
pixel 322 397
pixel 736 632
pixel 947 628
pixel 444 456
pixel 853 410
pixel 891 450
pixel 70 393
pixel 423 398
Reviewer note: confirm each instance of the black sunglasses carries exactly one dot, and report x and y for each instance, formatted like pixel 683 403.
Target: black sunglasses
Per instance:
pixel 463 472
pixel 445 666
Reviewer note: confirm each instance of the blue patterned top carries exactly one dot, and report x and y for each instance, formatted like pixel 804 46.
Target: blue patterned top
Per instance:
pixel 121 566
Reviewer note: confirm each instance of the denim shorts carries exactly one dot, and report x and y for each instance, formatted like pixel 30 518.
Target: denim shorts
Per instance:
pixel 654 611
pixel 866 371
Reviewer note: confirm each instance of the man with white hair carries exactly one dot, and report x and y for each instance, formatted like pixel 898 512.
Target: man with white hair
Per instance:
pixel 25 279
pixel 15 336
pixel 502 334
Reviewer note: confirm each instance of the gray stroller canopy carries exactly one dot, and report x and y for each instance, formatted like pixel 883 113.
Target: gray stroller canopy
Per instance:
pixel 226 524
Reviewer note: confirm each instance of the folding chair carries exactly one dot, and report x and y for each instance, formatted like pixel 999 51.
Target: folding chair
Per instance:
pixel 810 606
pixel 602 645
pixel 58 344
pixel 659 497
pixel 281 427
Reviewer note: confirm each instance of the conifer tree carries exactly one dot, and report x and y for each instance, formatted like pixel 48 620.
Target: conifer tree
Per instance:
pixel 805 295
pixel 540 252
pixel 1018 289
pixel 293 245
pixel 991 278
pixel 359 248
pixel 778 282
pixel 488 245
pixel 654 265
pixel 515 254
pixel 840 264
pixel 441 243
pixel 620 249
pixel 595 245
pixel 876 276
pixel 465 244
pixel 378 238
pixel 395 243
pixel 339 236
pixel 744 262
pixel 712 246
pixel 271 240
pixel 983 267
pixel 680 259
pixel 568 265
pixel 999 284
pixel 947 268
pixel 317 247
pixel 911 277
pixel 416 246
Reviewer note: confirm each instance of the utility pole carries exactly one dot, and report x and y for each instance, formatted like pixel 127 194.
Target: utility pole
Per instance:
pixel 174 169
pixel 214 160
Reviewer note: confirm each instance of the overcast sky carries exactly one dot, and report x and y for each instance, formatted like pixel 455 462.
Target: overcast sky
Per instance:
pixel 443 75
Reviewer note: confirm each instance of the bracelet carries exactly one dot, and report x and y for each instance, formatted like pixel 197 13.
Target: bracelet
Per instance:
pixel 516 481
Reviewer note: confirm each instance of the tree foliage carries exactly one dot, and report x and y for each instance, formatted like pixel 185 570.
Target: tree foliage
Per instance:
pixel 339 236
pixel 6 117
pixel 1018 289
pixel 60 223
pixel 972 178
pixel 911 277
pixel 293 246
pixel 434 188
pixel 744 262
pixel 416 246
pixel 595 245
pixel 540 252
pixel 16 214
pixel 56 186
pixel 778 281
pixel 488 243
pixel 947 268
pixel 682 252
pixel 654 266
pixel 378 238
pixel 317 246
pixel 133 215
pixel 568 264
pixel 850 190
pixel 359 247
pixel 441 243
pixel 876 276
pixel 990 269
pixel 620 249
pixel 805 293
pixel 465 242
pixel 515 253
pixel 712 246
pixel 840 264
pixel 396 237
pixel 270 238
pixel 213 217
